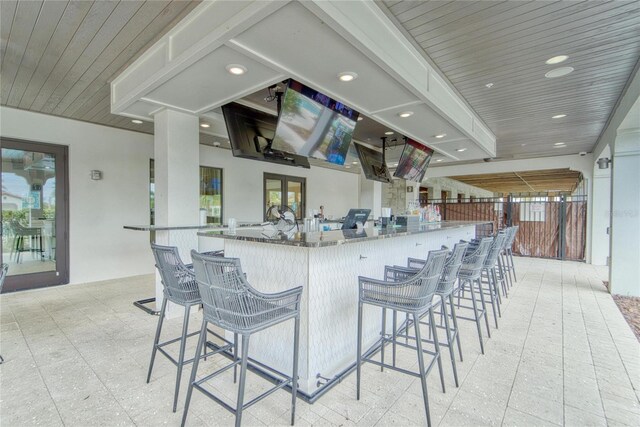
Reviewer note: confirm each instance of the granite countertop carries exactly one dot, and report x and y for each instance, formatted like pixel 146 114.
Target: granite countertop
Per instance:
pixel 187 227
pixel 335 237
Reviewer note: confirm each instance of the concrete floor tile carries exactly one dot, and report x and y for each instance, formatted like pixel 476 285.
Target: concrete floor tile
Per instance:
pixel 515 418
pixel 537 406
pixel 78 355
pixel 575 417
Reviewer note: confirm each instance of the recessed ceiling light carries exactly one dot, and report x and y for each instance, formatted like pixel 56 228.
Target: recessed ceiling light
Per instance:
pixel 559 116
pixel 216 143
pixel 388 133
pixel 347 76
pixel 559 143
pixel 559 146
pixel 406 114
pixel 489 85
pixel 438 160
pixel 460 150
pixel 395 164
pixel 236 69
pixel 360 118
pixel 556 59
pixel 522 145
pixel 347 167
pixel 354 163
pixel 205 125
pixel 442 135
pixel 136 121
pixel 558 72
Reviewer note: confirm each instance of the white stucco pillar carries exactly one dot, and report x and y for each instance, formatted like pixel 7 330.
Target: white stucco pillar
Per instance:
pixel 370 196
pixel 177 177
pixel 600 213
pixel 625 214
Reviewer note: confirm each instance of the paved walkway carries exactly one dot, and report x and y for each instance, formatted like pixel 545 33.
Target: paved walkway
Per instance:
pixel 563 355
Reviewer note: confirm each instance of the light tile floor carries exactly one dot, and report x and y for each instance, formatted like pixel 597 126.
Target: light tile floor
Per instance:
pixel 563 355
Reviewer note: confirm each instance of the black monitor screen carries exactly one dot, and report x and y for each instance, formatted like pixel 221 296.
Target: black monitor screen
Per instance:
pixel 312 124
pixel 414 161
pixel 250 134
pixel 355 215
pixel 373 164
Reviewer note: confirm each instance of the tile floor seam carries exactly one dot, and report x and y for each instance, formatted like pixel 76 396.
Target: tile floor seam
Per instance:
pixel 598 382
pixel 522 351
pixel 40 374
pixel 624 365
pixel 108 389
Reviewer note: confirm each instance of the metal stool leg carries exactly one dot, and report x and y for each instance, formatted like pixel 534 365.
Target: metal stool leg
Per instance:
pixel 436 344
pixel 384 335
pixel 454 318
pixel 491 287
pixel 294 375
pixel 359 352
pixel 235 357
pixel 157 338
pixel 475 312
pixel 447 328
pixel 484 307
pixel 183 343
pixel 513 267
pixel 395 331
pixel 194 369
pixel 243 379
pixel 423 374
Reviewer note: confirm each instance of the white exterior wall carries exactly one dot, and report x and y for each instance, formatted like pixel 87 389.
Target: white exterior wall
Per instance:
pixel 99 247
pixel 243 185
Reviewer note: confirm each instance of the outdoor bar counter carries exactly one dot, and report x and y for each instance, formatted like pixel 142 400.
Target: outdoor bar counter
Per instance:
pixel 327 265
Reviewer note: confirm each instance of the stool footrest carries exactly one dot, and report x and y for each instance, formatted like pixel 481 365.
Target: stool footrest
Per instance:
pixel 198 385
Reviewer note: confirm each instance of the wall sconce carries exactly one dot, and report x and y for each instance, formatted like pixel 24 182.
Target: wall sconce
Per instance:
pixel 96 175
pixel 603 163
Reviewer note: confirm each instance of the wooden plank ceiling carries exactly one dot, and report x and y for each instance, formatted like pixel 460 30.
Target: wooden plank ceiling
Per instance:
pixel 506 44
pixel 58 57
pixel 542 181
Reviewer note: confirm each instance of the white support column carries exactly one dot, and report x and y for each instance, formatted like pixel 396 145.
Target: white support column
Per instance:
pixel 625 214
pixel 370 196
pixel 177 177
pixel 600 213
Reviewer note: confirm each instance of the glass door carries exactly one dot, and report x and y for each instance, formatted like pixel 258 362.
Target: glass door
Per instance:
pixel 34 214
pixel 285 190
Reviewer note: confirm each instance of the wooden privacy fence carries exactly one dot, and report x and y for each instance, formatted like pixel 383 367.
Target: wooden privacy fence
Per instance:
pixel 550 227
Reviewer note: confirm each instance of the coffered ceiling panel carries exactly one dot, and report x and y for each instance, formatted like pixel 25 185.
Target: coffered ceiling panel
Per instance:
pixel 494 53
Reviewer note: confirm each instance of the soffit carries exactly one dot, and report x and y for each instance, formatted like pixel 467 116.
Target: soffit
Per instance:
pixel 185 70
pixel 475 43
pixel 541 181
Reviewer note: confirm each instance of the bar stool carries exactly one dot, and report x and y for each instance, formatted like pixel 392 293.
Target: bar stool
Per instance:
pixel 179 287
pixel 445 292
pixel 231 303
pixel 491 263
pixel 470 274
pixel 413 296
pixel 508 254
pixel 3 275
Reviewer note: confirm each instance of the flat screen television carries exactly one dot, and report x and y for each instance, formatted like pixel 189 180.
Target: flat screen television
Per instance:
pixel 414 161
pixel 312 124
pixel 372 162
pixel 250 134
pixel 355 215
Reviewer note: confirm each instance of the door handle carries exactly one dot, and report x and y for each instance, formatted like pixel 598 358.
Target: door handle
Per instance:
pixel 418 244
pixel 362 257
